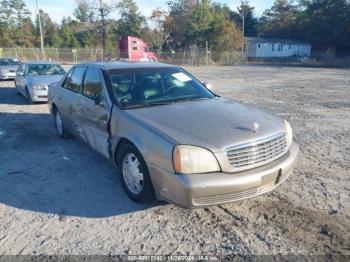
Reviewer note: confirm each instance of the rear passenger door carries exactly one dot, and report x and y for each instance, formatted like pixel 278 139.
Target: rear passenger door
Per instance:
pixel 68 98
pixel 93 112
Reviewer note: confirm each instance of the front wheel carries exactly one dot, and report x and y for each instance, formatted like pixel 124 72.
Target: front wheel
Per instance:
pixel 29 98
pixel 60 128
pixel 134 174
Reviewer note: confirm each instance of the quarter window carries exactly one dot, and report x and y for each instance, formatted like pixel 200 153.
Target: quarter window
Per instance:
pixel 92 83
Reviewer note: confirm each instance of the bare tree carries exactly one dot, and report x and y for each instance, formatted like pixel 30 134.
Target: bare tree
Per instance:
pixel 101 9
pixel 160 18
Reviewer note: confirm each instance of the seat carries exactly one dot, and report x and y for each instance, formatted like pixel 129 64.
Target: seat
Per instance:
pixel 150 89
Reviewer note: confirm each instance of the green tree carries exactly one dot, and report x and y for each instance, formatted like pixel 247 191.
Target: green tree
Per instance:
pixel 279 20
pixel 161 31
pixel 67 34
pixel 19 11
pixel 25 36
pixel 250 20
pixel 326 23
pixel 6 39
pixel 83 12
pixel 131 22
pixel 101 10
pixel 200 23
pixel 51 31
pixel 179 11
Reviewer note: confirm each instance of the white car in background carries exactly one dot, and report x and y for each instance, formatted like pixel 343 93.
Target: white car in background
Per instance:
pixel 33 79
pixel 8 68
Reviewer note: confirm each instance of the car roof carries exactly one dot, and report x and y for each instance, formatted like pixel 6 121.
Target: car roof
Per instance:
pixel 126 65
pixel 39 62
pixel 9 58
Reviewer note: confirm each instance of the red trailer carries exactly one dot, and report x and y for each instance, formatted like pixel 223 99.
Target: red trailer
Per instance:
pixel 135 49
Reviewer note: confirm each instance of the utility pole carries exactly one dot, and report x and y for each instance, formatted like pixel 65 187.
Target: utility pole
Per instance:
pixel 103 28
pixel 243 4
pixel 41 32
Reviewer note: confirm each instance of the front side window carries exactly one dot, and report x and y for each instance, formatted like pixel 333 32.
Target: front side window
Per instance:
pixel 92 83
pixel 45 70
pixel 155 86
pixel 74 80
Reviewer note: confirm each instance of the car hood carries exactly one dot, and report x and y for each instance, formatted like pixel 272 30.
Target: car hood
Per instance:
pixel 44 80
pixel 12 68
pixel 215 123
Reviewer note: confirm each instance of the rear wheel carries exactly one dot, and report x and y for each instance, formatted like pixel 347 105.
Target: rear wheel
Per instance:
pixel 60 128
pixel 134 174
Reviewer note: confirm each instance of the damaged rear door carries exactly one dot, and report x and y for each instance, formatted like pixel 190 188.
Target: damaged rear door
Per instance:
pixel 93 112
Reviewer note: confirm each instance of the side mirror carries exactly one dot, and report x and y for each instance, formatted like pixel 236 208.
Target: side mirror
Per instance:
pixel 208 85
pixel 19 74
pixel 97 99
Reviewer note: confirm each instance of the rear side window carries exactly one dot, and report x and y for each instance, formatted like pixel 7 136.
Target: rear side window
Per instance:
pixel 92 83
pixel 74 80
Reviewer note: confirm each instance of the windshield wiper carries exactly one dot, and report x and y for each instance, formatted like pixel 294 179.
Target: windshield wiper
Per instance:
pixel 151 104
pixel 194 99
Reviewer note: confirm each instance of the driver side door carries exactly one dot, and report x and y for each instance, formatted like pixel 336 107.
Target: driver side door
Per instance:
pixel 93 112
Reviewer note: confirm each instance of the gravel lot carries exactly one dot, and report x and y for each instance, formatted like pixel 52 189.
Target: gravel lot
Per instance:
pixel 59 197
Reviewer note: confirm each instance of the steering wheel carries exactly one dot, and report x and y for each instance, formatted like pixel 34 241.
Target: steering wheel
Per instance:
pixel 171 90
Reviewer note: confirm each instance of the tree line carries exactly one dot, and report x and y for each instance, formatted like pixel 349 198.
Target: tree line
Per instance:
pixel 184 23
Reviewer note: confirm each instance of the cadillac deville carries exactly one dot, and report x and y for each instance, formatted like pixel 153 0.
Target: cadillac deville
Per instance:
pixel 170 137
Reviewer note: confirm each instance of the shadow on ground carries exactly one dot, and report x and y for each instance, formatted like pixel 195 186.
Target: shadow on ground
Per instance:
pixel 42 173
pixel 10 95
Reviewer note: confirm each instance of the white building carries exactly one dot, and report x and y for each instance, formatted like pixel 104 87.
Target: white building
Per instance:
pixel 270 48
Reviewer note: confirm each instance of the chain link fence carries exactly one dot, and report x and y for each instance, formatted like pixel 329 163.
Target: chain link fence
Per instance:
pixel 187 56
pixel 61 55
pixel 194 55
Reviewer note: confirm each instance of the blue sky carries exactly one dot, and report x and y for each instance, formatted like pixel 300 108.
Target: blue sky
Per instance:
pixel 59 8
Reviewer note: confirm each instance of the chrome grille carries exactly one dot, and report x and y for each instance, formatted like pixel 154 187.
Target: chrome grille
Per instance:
pixel 258 152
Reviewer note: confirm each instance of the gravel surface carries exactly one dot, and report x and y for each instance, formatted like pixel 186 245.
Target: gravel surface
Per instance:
pixel 60 197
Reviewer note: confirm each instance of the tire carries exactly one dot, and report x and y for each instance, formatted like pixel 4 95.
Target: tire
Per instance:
pixel 60 128
pixel 29 98
pixel 17 90
pixel 131 166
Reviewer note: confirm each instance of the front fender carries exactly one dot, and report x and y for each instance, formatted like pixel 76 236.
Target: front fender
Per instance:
pixel 155 147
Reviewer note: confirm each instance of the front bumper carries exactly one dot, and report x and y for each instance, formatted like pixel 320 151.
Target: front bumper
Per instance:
pixel 39 95
pixel 7 76
pixel 200 190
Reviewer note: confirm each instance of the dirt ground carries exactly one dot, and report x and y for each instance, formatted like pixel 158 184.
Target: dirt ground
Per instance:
pixel 59 197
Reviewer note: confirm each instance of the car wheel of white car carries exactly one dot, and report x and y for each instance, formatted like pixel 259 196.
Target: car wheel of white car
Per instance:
pixel 29 98
pixel 61 130
pixel 134 174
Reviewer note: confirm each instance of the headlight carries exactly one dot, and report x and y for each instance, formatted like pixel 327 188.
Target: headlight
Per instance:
pixel 289 133
pixel 194 160
pixel 38 87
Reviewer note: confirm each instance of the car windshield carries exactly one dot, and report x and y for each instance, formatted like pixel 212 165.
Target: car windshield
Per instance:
pixel 9 62
pixel 155 86
pixel 45 70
